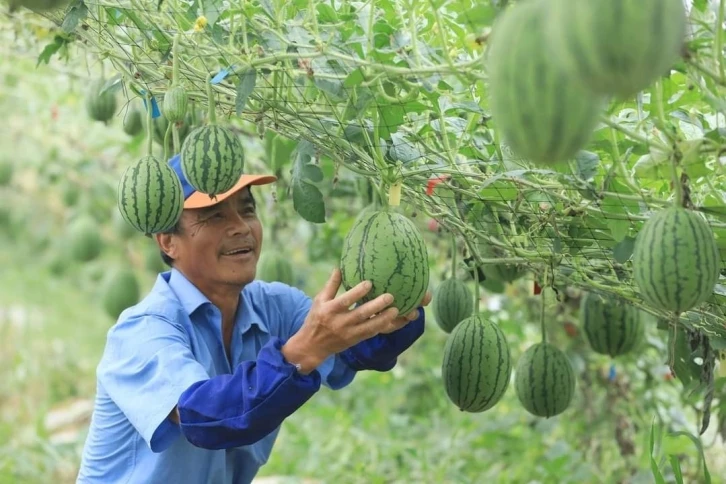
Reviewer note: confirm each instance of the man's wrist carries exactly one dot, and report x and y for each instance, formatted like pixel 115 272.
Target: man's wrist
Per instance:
pixel 297 353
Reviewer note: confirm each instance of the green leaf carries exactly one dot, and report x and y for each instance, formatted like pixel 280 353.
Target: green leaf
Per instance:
pixel 306 197
pixel 624 249
pixel 481 15
pixel 587 164
pixel 51 49
pixel 74 15
pixel 246 85
pixel 354 78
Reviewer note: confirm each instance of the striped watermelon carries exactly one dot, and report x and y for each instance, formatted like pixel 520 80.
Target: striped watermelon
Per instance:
pixel 100 106
pixel 452 303
pixel 477 365
pixel 175 104
pixel 274 267
pixel 387 249
pixel 617 47
pixel 612 327
pixel 150 196
pixel 544 380
pixel 675 260
pixel 212 159
pixel 543 114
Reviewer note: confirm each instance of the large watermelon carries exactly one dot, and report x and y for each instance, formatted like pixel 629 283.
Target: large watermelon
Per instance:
pixel 275 267
pixel 617 47
pixel 212 159
pixel 544 380
pixel 675 260
pixel 452 302
pixel 386 248
pixel 612 326
pixel 150 196
pixel 477 365
pixel 543 114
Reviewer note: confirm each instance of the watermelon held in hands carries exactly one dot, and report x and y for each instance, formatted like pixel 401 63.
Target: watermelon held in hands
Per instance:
pixel 150 196
pixel 477 365
pixel 544 380
pixel 676 261
pixel 212 159
pixel 616 47
pixel 543 114
pixel 386 248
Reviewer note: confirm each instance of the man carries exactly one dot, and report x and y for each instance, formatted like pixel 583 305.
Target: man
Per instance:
pixel 196 378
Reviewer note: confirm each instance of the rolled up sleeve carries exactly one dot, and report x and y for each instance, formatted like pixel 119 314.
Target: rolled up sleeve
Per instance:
pixel 146 367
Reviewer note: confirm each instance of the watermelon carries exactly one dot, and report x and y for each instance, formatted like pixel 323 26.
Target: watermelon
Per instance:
pixel 477 365
pixel 150 196
pixel 100 106
pixel 175 104
pixel 84 239
pixel 6 172
pixel 452 303
pixel 616 47
pixel 612 327
pixel 676 260
pixel 212 159
pixel 133 122
pixel 121 291
pixel 544 380
pixel 542 113
pixel 386 248
pixel 275 267
pixel 499 272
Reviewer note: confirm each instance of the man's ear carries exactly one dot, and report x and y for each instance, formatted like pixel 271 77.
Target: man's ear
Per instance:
pixel 167 244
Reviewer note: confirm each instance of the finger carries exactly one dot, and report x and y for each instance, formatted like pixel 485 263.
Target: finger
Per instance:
pixel 427 299
pixel 365 311
pixel 376 324
pixel 331 286
pixel 351 296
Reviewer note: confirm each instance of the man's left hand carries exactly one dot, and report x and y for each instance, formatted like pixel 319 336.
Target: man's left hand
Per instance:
pixel 402 321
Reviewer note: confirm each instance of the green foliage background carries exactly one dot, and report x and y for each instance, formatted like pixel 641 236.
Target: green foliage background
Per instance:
pixel 310 76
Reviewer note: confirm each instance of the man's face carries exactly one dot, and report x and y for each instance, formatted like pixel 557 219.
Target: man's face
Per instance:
pixel 219 244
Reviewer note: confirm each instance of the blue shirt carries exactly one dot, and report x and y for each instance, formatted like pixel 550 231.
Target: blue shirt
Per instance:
pixel 167 350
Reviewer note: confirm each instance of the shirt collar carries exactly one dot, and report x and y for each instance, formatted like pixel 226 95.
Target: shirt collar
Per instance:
pixel 192 299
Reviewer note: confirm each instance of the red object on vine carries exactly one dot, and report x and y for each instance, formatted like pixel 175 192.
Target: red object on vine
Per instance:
pixel 431 184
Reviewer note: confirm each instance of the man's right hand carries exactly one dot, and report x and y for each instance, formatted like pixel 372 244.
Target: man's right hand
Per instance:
pixel 331 326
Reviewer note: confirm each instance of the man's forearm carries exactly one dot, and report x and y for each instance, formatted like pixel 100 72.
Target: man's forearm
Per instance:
pixel 239 409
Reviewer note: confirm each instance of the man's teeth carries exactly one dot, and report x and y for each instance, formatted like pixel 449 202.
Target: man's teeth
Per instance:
pixel 238 251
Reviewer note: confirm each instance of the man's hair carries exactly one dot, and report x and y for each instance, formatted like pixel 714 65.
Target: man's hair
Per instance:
pixel 176 229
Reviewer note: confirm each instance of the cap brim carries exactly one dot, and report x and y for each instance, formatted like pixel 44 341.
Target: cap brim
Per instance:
pixel 201 200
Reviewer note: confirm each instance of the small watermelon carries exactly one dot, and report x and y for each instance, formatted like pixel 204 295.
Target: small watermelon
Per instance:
pixel 212 159
pixel 100 106
pixel 150 196
pixel 676 261
pixel 544 380
pixel 275 267
pixel 612 327
pixel 477 365
pixel 452 302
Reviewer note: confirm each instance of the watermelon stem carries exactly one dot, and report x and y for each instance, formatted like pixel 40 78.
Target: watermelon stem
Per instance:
pixel 175 61
pixel 210 96
pixel 477 296
pixel 542 311
pixel 678 199
pixel 149 125
pixel 453 256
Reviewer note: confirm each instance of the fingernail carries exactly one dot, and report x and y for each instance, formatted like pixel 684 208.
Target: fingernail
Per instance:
pixel 367 284
pixel 388 298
